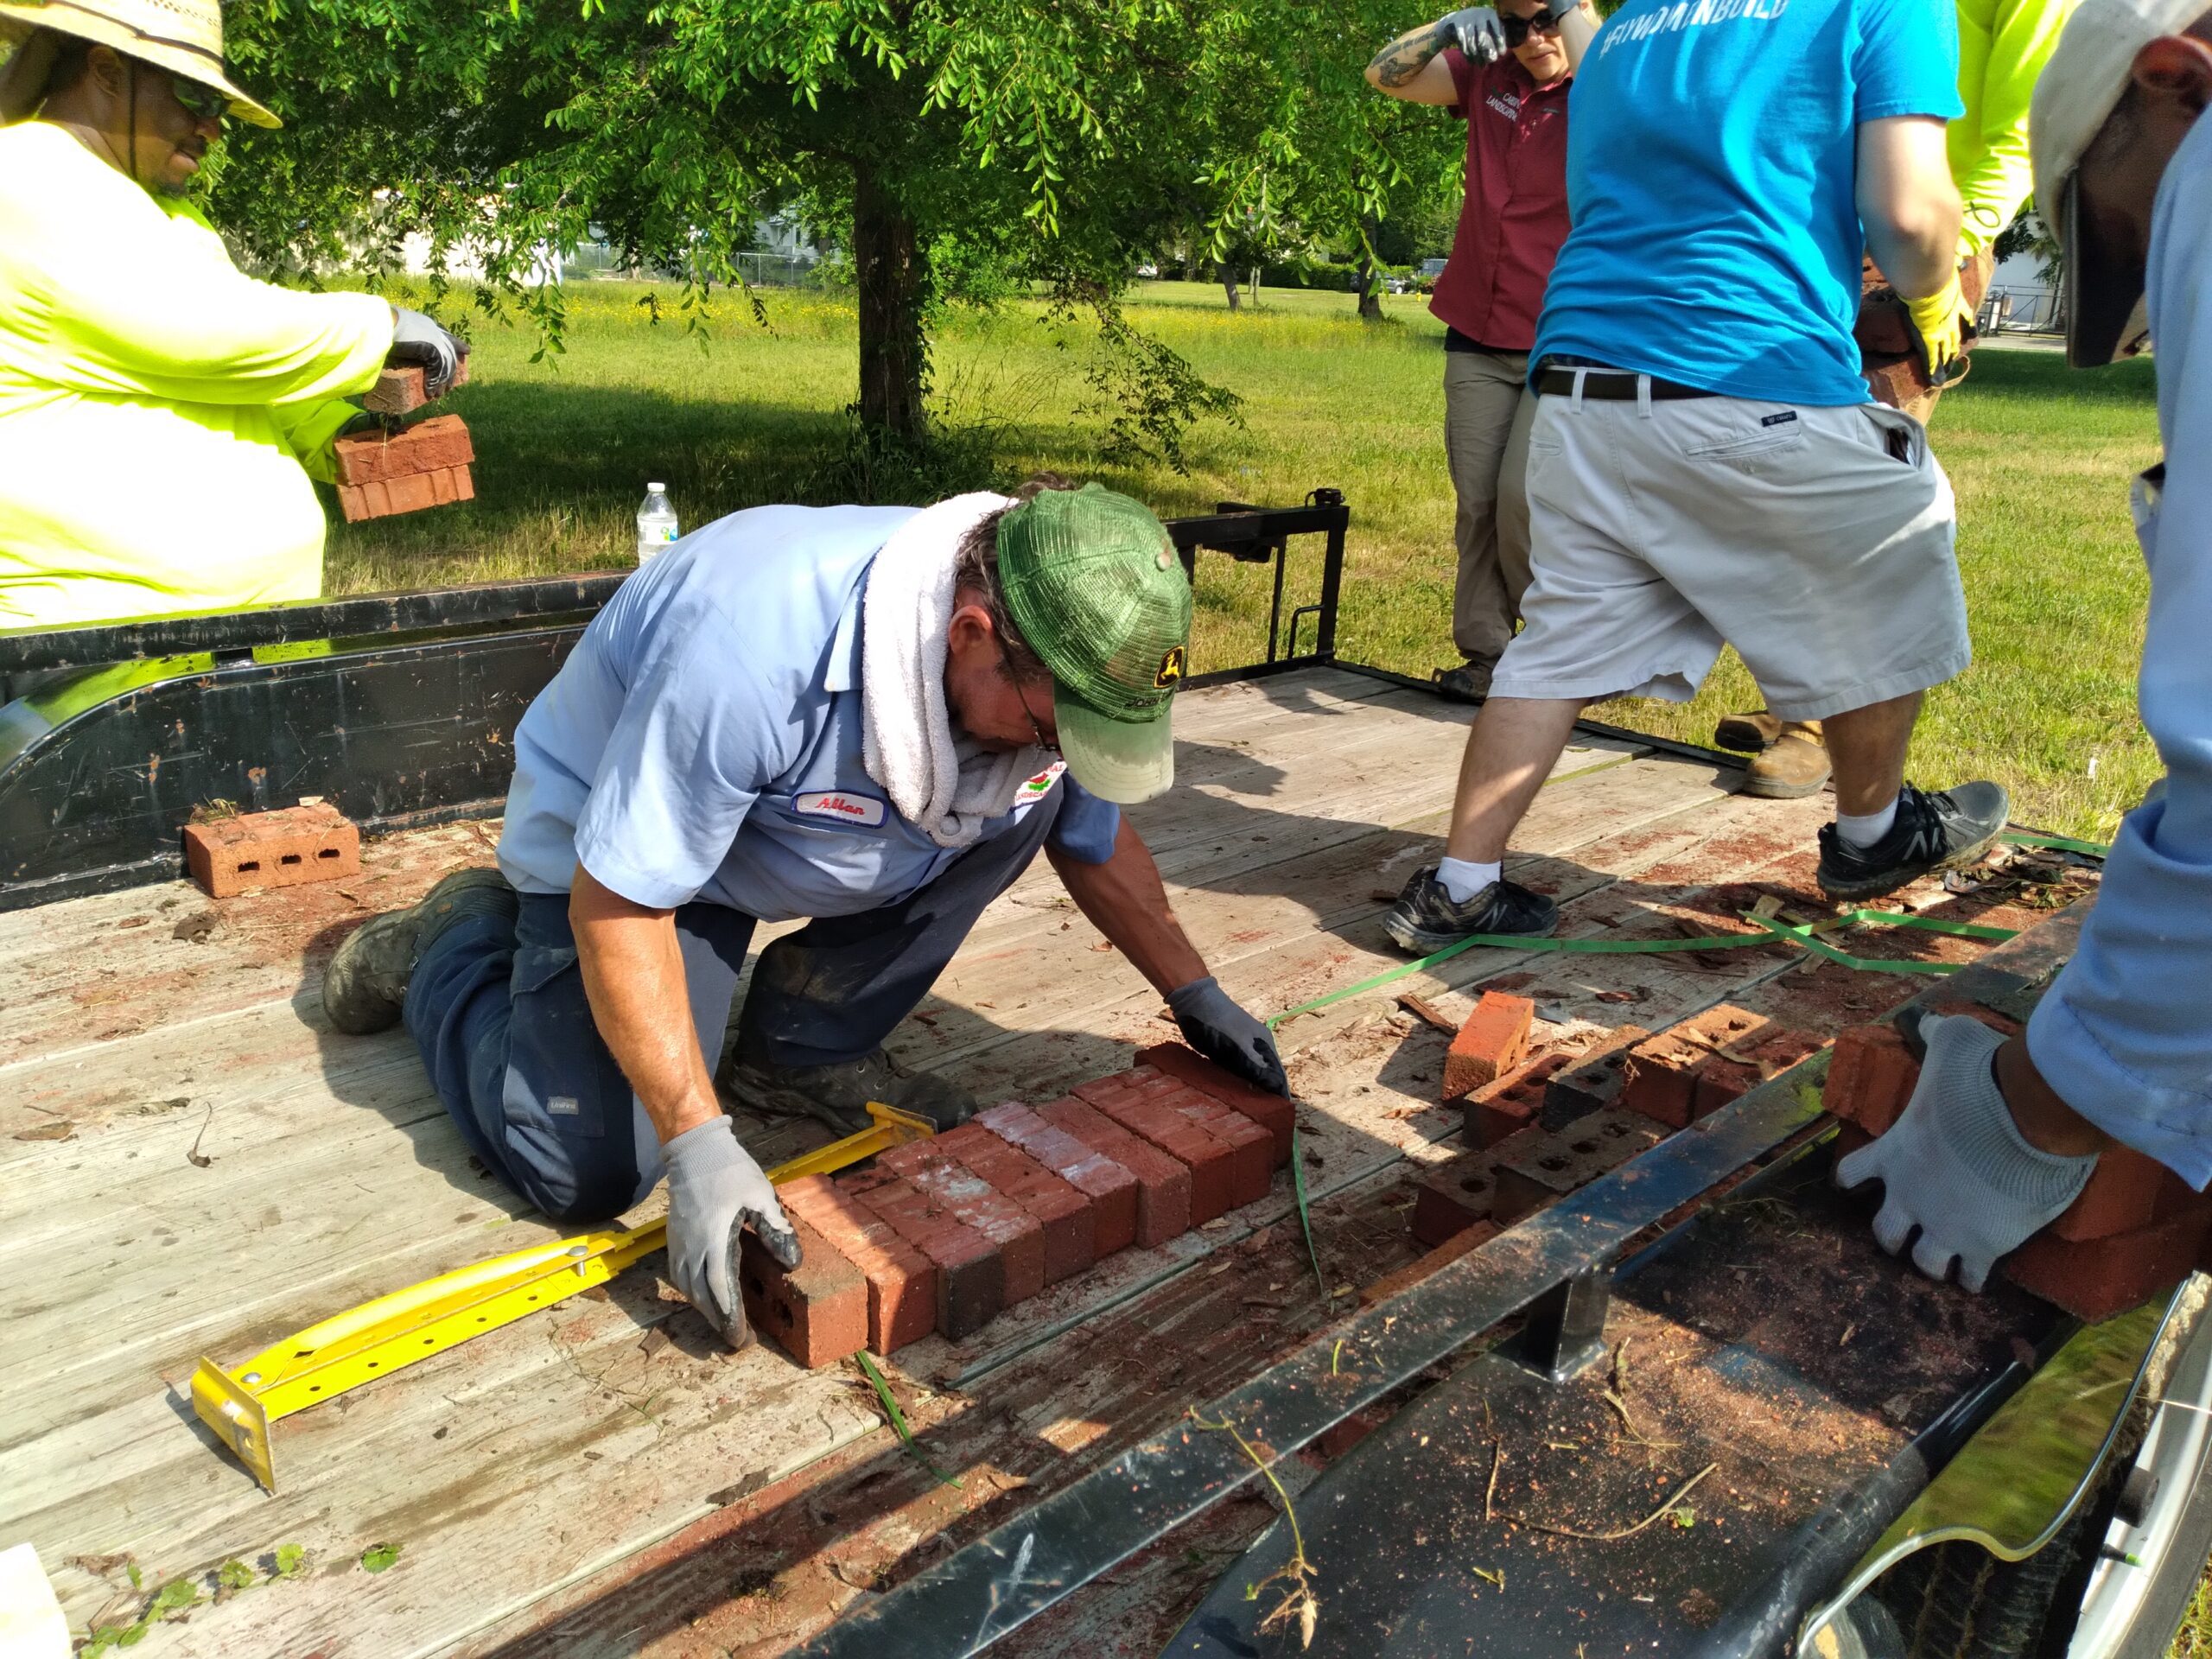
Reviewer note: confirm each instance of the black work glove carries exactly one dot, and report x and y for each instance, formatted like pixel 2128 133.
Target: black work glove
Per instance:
pixel 418 341
pixel 1225 1034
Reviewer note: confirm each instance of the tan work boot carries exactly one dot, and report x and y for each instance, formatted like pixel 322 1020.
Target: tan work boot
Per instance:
pixel 1793 766
pixel 1747 734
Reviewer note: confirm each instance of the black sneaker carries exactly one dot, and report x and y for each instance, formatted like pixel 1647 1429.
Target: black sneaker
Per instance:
pixel 1933 832
pixel 1425 919
pixel 838 1095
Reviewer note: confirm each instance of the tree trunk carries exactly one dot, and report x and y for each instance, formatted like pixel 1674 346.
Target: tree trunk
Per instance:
pixel 893 275
pixel 1370 279
pixel 1233 287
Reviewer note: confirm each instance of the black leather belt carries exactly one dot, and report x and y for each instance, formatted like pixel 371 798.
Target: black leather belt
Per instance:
pixel 1615 385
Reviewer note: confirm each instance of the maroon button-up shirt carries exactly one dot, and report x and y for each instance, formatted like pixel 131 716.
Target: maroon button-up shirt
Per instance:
pixel 1515 218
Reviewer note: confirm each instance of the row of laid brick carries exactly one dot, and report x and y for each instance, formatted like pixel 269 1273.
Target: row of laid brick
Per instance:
pixel 943 1234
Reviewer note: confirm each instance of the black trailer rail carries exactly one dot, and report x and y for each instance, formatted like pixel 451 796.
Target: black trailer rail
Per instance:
pixel 1557 1269
pixel 399 709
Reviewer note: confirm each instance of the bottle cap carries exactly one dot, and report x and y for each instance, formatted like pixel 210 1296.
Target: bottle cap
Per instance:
pixel 655 489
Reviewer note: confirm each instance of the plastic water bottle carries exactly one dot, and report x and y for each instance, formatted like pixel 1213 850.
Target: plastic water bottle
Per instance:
pixel 657 526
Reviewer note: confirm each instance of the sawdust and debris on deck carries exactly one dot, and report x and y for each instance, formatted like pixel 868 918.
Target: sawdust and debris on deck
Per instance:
pixel 196 1164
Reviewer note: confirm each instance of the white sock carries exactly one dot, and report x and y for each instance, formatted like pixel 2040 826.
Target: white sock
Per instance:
pixel 1462 878
pixel 1864 830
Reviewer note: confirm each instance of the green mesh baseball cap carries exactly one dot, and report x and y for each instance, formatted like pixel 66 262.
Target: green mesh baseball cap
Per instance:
pixel 1092 580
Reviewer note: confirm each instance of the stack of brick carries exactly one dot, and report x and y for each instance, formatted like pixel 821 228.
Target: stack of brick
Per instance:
pixel 943 1234
pixel 2137 1228
pixel 1696 1066
pixel 425 464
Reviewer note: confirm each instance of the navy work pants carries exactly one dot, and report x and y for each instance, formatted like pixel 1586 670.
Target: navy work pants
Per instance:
pixel 499 1013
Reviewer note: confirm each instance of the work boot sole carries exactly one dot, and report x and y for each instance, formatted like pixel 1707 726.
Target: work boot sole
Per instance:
pixel 387 947
pixel 757 1094
pixel 1767 786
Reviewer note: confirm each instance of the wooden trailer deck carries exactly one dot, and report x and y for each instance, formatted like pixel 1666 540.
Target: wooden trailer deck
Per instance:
pixel 194 1164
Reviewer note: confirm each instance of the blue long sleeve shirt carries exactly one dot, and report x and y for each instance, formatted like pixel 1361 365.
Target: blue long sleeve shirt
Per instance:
pixel 2125 1034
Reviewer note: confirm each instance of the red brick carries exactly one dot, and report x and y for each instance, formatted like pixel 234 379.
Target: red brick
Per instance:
pixel 1453 1197
pixel 1662 1070
pixel 2126 1192
pixel 1849 1138
pixel 353 503
pixel 397 392
pixel 970 1277
pixel 464 485
pixel 411 493
pixel 1593 1082
pixel 1721 1079
pixel 1251 1148
pixel 1490 1045
pixel 1163 1184
pixel 1272 1113
pixel 2100 1277
pixel 1538 1166
pixel 1513 1103
pixel 381 457
pixel 1110 1188
pixel 283 848
pixel 1870 1076
pixel 1413 1273
pixel 1058 1208
pixel 902 1282
pixel 974 1202
pixel 1212 1192
pixel 816 1311
pixel 1339 1438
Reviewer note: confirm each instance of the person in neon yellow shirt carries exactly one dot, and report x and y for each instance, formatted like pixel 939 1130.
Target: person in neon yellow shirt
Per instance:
pixel 160 412
pixel 2003 46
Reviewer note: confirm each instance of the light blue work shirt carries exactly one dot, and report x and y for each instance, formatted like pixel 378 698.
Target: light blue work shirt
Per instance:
pixel 1711 161
pixel 2125 1034
pixel 703 741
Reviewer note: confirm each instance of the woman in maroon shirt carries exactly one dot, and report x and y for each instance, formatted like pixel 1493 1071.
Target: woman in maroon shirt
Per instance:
pixel 1505 74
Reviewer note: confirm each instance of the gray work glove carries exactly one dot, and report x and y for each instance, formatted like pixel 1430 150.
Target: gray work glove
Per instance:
pixel 1955 1165
pixel 715 1189
pixel 1477 33
pixel 1227 1036
pixel 417 340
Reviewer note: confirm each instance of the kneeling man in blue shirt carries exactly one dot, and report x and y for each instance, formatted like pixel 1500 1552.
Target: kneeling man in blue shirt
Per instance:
pixel 853 715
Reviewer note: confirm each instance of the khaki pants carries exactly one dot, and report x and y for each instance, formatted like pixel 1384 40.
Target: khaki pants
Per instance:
pixel 1487 410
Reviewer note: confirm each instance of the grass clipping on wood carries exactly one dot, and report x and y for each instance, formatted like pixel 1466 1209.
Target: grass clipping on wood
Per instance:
pixel 1299 1606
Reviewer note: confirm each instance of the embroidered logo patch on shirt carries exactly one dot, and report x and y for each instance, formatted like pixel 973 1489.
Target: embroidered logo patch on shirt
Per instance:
pixel 839 804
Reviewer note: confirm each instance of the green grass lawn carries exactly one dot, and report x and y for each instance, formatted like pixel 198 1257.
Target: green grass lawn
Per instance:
pixel 738 416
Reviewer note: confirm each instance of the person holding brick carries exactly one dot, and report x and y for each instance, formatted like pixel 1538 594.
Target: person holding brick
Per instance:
pixel 161 411
pixel 1706 465
pixel 2001 1134
pixel 854 716
pixel 1503 72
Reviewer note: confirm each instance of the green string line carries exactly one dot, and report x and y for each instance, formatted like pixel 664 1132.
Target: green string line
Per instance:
pixel 898 1418
pixel 2063 843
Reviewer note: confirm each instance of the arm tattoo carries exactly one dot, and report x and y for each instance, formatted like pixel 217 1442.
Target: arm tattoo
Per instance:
pixel 1406 56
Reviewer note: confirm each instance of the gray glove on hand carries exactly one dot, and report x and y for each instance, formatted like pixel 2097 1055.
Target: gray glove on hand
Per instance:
pixel 418 341
pixel 1477 33
pixel 715 1189
pixel 1225 1034
pixel 1956 1166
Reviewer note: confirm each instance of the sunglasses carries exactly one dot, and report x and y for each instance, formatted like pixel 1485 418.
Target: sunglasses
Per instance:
pixel 201 102
pixel 1516 29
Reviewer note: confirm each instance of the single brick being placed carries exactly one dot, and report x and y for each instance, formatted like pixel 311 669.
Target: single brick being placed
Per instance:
pixel 2126 1192
pixel 815 1312
pixel 1012 1230
pixel 1593 1082
pixel 1510 1104
pixel 902 1282
pixel 1413 1273
pixel 2097 1278
pixel 402 390
pixel 1723 1078
pixel 1870 1076
pixel 970 1277
pixel 1490 1045
pixel 1454 1196
pixel 283 848
pixel 1212 1186
pixel 1058 1208
pixel 1273 1113
pixel 428 446
pixel 1111 1187
pixel 1538 1166
pixel 1662 1070
pixel 1163 1184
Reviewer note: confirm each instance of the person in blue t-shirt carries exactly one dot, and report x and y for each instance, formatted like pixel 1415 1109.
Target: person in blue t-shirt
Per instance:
pixel 853 717
pixel 1706 465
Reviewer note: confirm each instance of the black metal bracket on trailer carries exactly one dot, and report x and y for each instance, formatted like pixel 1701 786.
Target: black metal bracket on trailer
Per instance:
pixel 1555 1268
pixel 399 709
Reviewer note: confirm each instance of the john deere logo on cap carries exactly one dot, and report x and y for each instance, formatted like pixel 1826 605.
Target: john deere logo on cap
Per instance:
pixel 1171 669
